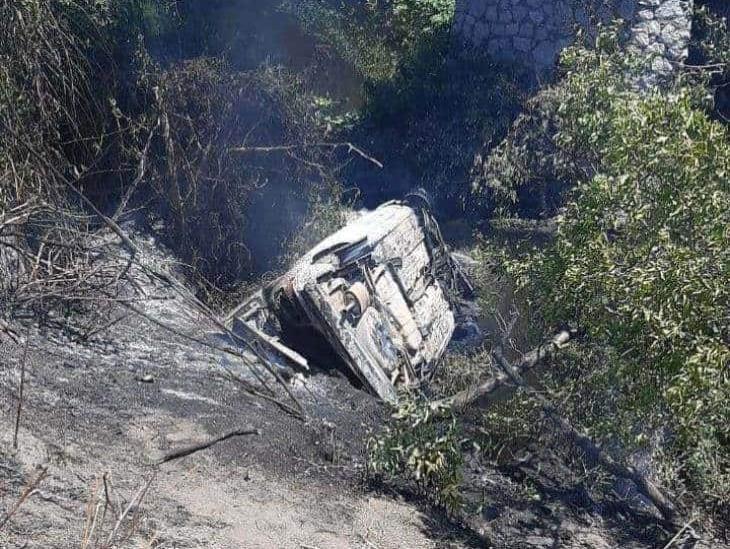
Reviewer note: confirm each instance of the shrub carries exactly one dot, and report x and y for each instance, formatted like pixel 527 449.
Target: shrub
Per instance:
pixel 53 128
pixel 640 261
pixel 416 21
pixel 231 169
pixel 421 446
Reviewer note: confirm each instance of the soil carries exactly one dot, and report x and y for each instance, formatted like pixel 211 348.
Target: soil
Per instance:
pixel 101 414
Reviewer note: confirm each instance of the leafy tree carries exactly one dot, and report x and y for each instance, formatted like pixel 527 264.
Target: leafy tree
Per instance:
pixel 641 258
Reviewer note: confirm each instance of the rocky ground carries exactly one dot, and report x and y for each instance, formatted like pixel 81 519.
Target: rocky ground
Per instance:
pixel 99 416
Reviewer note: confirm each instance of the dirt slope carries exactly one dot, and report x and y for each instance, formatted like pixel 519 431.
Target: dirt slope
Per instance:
pixel 116 405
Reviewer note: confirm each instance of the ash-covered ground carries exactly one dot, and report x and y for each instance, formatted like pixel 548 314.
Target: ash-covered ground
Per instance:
pixel 98 416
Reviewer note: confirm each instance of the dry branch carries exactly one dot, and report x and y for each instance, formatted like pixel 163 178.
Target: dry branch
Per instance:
pixel 289 148
pixel 29 490
pixel 136 501
pixel 209 315
pixel 472 394
pixel 186 451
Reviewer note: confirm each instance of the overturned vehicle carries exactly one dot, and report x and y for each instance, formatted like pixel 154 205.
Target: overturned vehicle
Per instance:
pixel 378 295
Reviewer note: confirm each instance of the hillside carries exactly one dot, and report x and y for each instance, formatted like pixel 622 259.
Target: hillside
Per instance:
pixel 161 162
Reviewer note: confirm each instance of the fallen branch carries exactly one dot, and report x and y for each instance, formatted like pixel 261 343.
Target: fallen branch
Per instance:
pixel 592 451
pixel 186 451
pixel 468 396
pixel 676 537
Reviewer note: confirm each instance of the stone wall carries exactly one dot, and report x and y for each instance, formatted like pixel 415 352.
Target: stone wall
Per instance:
pixel 535 31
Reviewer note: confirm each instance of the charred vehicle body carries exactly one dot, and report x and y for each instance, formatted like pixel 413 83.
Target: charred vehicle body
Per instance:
pixel 378 295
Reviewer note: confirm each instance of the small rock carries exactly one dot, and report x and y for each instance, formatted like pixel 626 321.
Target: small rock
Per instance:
pixel 539 541
pixel 147 378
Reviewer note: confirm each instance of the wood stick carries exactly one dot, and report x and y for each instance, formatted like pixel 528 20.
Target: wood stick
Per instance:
pixel 25 495
pixel 20 396
pixel 677 535
pixel 288 148
pixel 187 450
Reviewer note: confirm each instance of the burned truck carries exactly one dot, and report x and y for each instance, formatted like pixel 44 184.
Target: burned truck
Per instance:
pixel 378 296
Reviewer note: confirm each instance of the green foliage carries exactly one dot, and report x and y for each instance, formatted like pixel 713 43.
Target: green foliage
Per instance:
pixel 509 426
pixel 416 21
pixel 422 446
pixel 521 174
pixel 378 37
pixel 460 371
pixel 424 106
pixel 359 35
pixel 641 259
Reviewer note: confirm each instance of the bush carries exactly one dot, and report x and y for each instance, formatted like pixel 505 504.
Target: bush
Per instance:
pixel 421 446
pixel 106 93
pixel 424 106
pixel 53 126
pixel 641 261
pixel 231 170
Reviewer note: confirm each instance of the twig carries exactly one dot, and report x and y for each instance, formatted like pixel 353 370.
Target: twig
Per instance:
pixel 195 339
pixel 109 494
pixel 678 534
pixel 138 497
pixel 91 519
pixel 141 169
pixel 20 395
pixel 288 148
pixel 186 451
pixel 106 326
pixel 25 495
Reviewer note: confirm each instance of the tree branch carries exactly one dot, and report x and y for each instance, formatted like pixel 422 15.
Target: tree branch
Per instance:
pixel 469 396
pixel 592 451
pixel 288 148
pixel 187 450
